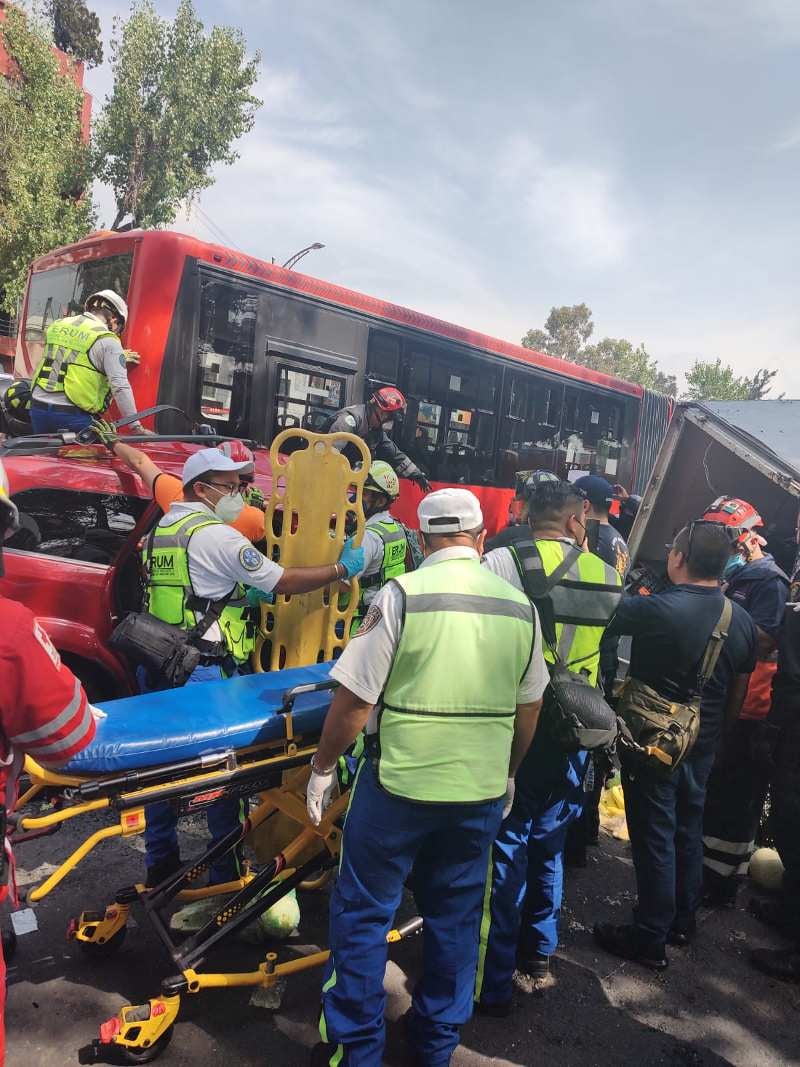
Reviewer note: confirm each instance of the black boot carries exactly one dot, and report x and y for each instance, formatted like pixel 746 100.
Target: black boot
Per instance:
pixel 162 870
pixel 626 942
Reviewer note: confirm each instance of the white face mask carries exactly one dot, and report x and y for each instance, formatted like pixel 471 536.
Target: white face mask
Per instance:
pixel 229 507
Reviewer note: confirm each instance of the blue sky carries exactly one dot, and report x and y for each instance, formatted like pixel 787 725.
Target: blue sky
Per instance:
pixel 484 162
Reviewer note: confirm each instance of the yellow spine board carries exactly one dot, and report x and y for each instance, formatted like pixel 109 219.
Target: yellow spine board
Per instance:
pixel 305 527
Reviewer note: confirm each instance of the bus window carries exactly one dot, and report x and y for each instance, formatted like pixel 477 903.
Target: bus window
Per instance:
pixel 225 352
pixel 449 428
pixel 529 427
pixel 383 356
pixel 52 294
pixel 306 399
pixel 596 436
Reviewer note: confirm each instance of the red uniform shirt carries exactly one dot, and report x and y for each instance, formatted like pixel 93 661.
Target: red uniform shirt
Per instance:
pixel 44 712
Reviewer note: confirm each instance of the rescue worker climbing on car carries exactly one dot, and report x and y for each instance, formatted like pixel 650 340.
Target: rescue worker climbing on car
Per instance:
pixel 83 367
pixel 205 577
pixel 372 422
pixel 44 712
pixel 385 544
pixel 551 783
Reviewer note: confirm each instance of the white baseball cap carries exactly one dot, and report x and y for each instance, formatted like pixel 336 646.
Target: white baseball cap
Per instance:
pixel 206 460
pixel 449 511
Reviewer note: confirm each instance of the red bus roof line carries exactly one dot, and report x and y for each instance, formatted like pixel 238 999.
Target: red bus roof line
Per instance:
pixel 307 285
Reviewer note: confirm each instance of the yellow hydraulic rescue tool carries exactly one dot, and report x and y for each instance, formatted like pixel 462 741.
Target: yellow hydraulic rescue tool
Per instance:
pixel 314 491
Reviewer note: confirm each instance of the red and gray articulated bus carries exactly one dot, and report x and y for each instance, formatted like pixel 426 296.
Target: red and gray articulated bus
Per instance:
pixel 252 349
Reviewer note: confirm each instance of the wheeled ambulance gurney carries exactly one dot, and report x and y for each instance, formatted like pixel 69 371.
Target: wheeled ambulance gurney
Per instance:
pixel 248 736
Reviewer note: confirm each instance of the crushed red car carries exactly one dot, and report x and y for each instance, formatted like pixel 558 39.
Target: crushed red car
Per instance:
pixel 74 561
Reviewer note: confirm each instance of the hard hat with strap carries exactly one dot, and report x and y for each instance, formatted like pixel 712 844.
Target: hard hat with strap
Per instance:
pixel 111 301
pixel 382 479
pixel 171 596
pixel 66 366
pixel 738 515
pixel 446 722
pixel 581 603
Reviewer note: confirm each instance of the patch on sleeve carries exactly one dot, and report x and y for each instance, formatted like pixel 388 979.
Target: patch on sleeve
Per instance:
pixel 250 558
pixel 350 420
pixel 370 621
pixel 122 362
pixel 46 643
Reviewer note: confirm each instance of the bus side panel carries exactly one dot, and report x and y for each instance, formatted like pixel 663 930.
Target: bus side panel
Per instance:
pixel 494 504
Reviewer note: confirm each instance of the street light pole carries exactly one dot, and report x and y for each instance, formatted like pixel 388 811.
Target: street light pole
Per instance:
pixel 293 260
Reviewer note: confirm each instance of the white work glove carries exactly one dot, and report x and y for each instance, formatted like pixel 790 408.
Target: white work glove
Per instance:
pixel 318 794
pixel 509 802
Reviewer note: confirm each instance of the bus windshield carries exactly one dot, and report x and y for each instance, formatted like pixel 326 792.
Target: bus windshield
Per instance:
pixel 62 291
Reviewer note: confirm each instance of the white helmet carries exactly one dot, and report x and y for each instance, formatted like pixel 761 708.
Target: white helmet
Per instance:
pixel 107 298
pixel 9 516
pixel 382 479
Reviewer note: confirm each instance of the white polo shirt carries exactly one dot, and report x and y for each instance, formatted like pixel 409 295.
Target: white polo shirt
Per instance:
pixel 364 666
pixel 219 557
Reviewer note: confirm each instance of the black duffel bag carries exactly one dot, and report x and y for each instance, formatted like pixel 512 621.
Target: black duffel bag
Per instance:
pixel 576 713
pixel 166 651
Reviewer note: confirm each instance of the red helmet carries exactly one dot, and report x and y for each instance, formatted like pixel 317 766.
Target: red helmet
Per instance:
pixel 388 400
pixel 740 516
pixel 237 451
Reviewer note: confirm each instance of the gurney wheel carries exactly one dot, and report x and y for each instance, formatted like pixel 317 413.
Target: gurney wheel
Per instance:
pixel 100 950
pixel 145 1055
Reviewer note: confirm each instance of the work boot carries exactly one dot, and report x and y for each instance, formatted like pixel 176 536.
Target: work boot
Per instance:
pixel 777 962
pixel 625 941
pixel 533 976
pixel 161 870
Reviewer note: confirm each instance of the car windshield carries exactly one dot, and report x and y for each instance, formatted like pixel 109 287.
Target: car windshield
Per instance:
pixel 63 291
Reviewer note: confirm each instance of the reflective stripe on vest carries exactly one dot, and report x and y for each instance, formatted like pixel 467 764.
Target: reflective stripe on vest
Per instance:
pixel 66 367
pixel 395 546
pixel 583 601
pixel 446 721
pixel 170 592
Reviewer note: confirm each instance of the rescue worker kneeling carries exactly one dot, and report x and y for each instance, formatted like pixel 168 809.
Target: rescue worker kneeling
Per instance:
pixel 444 738
pixel 202 571
pixel 551 784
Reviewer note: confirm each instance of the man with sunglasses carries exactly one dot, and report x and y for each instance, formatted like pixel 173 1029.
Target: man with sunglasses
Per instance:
pixel 202 571
pixel 670 632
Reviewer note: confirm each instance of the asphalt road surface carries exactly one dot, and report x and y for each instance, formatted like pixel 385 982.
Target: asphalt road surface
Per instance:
pixel 709 1008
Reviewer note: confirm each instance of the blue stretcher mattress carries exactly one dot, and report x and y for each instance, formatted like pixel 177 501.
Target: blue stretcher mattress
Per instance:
pixel 155 728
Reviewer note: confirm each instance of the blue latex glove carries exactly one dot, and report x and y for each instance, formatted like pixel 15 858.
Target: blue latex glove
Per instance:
pixel 258 596
pixel 352 559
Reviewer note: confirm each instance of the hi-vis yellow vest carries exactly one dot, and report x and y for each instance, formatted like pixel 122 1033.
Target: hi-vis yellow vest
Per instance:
pixel 447 713
pixel 66 367
pixel 582 602
pixel 171 597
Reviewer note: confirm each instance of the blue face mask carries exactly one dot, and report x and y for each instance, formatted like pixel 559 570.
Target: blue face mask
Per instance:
pixel 735 562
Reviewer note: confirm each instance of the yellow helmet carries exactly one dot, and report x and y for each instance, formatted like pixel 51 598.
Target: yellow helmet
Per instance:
pixel 382 479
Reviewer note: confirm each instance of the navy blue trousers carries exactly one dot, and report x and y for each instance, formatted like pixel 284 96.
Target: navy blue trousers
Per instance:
pixel 58 417
pixel 523 896
pixel 448 847
pixel 224 815
pixel 665 824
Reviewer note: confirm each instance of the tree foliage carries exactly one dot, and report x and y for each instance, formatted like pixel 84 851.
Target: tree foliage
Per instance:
pixel 43 161
pixel 566 333
pixel 714 380
pixel 76 30
pixel 181 98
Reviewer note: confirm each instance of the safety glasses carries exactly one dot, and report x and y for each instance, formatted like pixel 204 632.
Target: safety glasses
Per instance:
pixel 693 527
